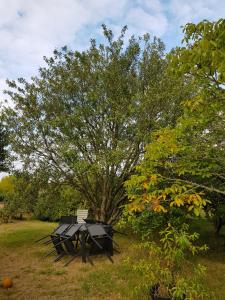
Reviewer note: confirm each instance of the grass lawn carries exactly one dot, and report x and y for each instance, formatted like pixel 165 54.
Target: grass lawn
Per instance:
pixel 36 277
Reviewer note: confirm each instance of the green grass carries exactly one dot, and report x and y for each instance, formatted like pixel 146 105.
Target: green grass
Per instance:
pixel 35 277
pixel 16 235
pixel 38 278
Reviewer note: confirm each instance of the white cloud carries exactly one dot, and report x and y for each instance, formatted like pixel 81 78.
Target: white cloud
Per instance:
pixel 154 5
pixel 142 22
pixel 196 10
pixel 30 29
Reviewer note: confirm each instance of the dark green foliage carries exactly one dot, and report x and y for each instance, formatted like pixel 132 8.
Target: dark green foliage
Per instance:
pixel 20 196
pixel 148 222
pixel 24 195
pixel 52 203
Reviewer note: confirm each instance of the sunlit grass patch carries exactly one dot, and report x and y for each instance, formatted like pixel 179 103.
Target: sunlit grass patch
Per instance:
pixel 17 236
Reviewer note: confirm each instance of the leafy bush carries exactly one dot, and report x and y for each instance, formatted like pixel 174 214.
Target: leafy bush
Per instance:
pixel 56 202
pixel 166 265
pixel 147 222
pixel 4 215
pixel 23 194
pixel 6 186
pixel 19 193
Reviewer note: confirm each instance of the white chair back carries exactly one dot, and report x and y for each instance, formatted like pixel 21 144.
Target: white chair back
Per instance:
pixel 82 214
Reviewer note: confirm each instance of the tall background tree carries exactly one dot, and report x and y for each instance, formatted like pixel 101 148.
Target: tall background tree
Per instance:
pixel 85 119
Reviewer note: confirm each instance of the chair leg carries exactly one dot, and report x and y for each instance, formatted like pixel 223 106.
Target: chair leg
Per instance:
pixel 70 260
pixel 44 237
pixel 109 257
pixel 116 250
pixel 49 253
pixel 83 247
pixel 49 242
pixel 59 257
pixel 77 241
pixel 88 258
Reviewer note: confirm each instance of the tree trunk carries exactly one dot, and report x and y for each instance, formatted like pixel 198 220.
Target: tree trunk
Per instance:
pixel 218 223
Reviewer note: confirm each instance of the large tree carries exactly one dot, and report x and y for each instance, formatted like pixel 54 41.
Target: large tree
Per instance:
pixel 85 118
pixel 184 166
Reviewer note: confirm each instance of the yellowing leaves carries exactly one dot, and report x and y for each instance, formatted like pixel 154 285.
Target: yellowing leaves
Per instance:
pixel 178 202
pixel 194 103
pixel 145 185
pixel 160 208
pixel 196 200
pixel 147 198
pixel 136 207
pixel 153 178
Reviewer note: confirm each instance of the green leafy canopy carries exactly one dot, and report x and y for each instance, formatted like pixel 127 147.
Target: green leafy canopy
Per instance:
pixel 85 118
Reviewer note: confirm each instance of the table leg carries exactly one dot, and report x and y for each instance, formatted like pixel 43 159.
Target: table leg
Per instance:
pixel 83 247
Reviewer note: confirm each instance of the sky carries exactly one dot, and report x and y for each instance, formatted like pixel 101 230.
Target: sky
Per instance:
pixel 31 29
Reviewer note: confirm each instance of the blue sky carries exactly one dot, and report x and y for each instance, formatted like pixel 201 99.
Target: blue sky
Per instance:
pixel 30 29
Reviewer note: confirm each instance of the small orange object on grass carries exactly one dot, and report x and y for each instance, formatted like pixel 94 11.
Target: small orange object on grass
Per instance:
pixel 7 283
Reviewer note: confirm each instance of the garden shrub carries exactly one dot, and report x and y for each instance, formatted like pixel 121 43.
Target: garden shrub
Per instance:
pixel 148 222
pixel 167 264
pixel 54 203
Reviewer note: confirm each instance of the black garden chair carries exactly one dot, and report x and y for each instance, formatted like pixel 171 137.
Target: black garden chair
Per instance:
pixel 55 237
